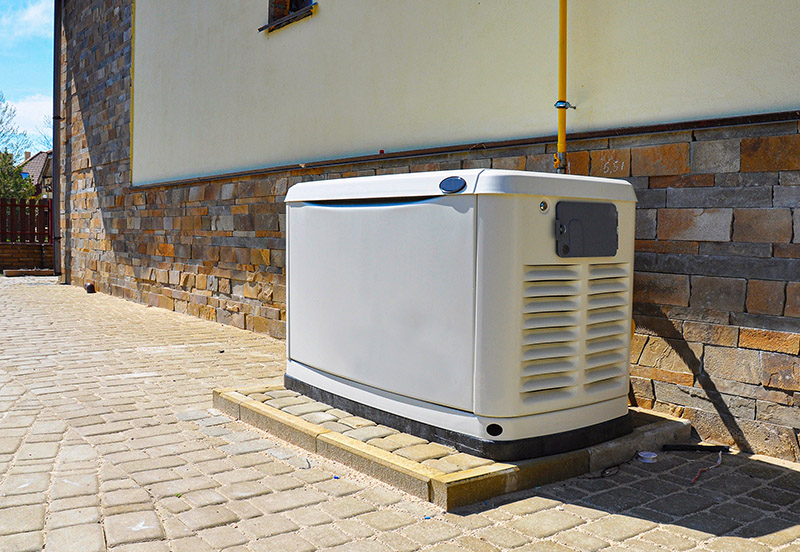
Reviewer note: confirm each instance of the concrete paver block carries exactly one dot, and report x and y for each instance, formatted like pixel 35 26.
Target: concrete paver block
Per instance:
pixel 17 421
pixel 223 537
pixel 339 487
pixel 25 483
pixel 287 500
pixel 66 486
pixel 546 523
pixel 244 489
pixel 191 415
pixel 77 453
pixel 9 445
pixel 207 516
pixel 305 408
pixel 429 532
pixel 105 428
pixel 309 516
pixel 204 497
pixel 579 540
pixel 78 516
pixel 366 433
pixel 319 417
pixel 723 544
pixel 241 436
pixel 21 519
pixel 218 431
pixel 180 486
pixel 147 464
pixel 248 446
pixel 324 536
pixel 428 451
pixel 709 524
pixel 291 400
pixel 502 537
pixel 387 520
pixel 281 482
pixel 62 504
pixel 132 527
pixel 126 496
pixel 284 542
pixel 355 422
pixel 76 538
pixel 466 461
pixel 442 465
pixel 45 427
pixel 267 526
pixel 282 453
pixel 175 529
pixel 38 451
pixel 22 542
pixel 212 421
pixel 529 505
pixel 396 441
pixel 190 544
pixel 395 541
pixel 347 507
pixel 151 477
pixel 339 428
pixel 618 528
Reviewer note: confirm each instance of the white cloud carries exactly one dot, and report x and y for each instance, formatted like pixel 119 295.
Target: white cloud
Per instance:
pixel 31 111
pixel 33 19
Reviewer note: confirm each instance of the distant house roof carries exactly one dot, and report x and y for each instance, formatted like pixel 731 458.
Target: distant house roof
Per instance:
pixel 39 168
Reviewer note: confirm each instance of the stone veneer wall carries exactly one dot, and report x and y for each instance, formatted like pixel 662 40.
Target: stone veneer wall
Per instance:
pixel 25 255
pixel 717 287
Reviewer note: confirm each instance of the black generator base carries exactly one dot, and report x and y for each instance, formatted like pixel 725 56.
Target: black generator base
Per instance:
pixel 500 451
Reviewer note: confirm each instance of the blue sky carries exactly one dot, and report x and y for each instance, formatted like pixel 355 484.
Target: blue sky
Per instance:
pixel 26 60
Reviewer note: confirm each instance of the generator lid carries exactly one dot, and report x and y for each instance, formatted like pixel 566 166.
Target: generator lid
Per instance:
pixel 461 182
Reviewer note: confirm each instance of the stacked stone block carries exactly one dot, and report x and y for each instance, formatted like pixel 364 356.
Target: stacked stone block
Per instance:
pixel 717 270
pixel 25 255
pixel 717 281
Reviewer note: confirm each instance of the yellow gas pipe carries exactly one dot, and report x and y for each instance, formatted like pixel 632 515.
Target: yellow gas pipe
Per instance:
pixel 560 158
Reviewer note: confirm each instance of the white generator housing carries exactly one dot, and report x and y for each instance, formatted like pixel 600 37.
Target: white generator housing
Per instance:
pixel 488 309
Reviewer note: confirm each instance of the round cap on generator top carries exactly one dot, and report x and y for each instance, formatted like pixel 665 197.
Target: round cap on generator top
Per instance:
pixel 452 185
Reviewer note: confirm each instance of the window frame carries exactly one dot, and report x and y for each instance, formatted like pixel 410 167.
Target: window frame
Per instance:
pixel 296 15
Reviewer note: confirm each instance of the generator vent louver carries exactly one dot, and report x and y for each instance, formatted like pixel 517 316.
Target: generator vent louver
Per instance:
pixel 606 326
pixel 551 332
pixel 574 332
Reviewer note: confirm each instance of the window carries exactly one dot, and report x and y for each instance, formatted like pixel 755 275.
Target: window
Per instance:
pixel 283 12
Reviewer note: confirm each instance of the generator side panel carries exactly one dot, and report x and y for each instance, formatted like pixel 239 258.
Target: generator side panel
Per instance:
pixel 553 330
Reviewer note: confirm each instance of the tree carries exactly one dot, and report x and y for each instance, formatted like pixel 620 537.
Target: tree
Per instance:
pixel 12 139
pixel 12 184
pixel 44 140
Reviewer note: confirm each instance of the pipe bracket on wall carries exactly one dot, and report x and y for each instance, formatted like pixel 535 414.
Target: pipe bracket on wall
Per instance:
pixel 564 105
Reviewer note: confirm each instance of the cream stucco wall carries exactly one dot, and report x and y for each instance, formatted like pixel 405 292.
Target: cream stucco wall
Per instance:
pixel 213 95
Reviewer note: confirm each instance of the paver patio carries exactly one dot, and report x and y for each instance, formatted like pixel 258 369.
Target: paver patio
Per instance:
pixel 108 442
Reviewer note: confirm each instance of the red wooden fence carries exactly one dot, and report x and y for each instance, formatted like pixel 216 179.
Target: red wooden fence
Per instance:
pixel 25 221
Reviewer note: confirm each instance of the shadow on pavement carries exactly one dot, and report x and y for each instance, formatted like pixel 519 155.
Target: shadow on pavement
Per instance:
pixel 744 497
